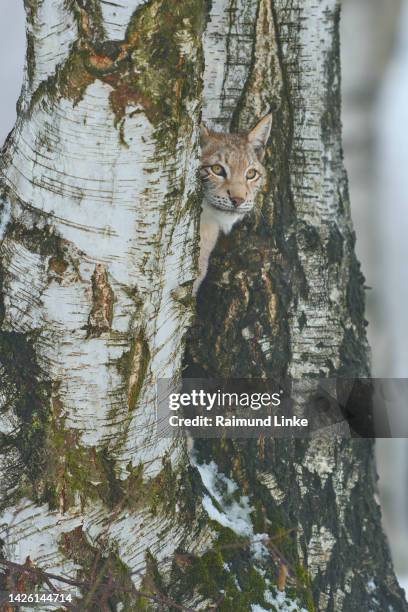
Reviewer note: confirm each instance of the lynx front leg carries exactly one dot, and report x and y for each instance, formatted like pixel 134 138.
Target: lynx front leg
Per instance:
pixel 208 237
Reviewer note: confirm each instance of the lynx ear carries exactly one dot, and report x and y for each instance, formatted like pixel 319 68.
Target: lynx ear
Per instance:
pixel 258 136
pixel 204 131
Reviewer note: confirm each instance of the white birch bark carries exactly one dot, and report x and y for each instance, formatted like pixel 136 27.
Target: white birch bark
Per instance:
pixel 98 251
pixel 289 292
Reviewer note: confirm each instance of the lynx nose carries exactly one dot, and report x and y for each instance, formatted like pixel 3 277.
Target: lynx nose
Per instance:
pixel 237 201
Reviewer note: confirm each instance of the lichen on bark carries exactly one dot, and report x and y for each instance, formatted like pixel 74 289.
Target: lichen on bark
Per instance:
pixel 100 180
pixel 297 265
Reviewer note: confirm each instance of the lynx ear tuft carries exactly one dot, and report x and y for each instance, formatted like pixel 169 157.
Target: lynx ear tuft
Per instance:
pixel 258 136
pixel 204 131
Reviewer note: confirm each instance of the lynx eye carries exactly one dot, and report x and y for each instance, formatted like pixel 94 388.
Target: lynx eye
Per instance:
pixel 218 170
pixel 251 174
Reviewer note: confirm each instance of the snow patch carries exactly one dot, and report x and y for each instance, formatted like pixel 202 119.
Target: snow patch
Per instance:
pixel 236 515
pixel 280 601
pixel 258 549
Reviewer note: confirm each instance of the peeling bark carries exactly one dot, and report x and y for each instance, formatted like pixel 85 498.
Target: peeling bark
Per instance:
pixel 287 294
pixel 99 216
pixel 101 316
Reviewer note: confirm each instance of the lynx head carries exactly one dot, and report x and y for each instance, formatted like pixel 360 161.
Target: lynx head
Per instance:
pixel 232 171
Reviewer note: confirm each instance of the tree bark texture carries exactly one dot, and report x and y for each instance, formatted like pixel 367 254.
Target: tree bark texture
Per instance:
pixel 285 295
pixel 100 208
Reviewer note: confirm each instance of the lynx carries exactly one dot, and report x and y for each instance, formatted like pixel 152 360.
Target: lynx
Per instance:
pixel 231 173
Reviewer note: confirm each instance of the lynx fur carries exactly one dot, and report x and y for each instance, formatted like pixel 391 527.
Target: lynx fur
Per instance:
pixel 231 173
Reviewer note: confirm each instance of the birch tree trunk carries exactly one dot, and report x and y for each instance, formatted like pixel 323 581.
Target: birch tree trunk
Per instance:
pixel 99 241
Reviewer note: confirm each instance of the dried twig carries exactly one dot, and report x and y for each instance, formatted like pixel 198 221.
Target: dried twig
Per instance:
pixel 99 592
pixel 107 589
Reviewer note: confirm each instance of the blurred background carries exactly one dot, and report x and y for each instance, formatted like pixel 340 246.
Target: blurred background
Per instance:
pixel 374 35
pixel 374 39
